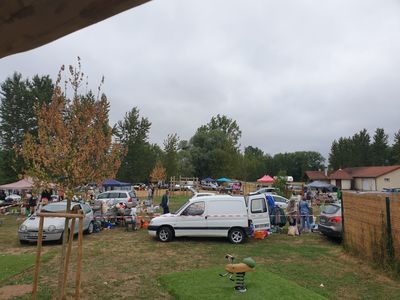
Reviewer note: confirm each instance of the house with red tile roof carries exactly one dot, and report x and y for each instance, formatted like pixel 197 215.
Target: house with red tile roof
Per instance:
pixel 316 175
pixel 341 179
pixel 374 178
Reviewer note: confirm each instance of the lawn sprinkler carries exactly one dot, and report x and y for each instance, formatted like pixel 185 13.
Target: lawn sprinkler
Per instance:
pixel 239 270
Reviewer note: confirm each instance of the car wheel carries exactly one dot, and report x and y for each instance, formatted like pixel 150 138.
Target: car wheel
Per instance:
pixel 90 228
pixel 23 242
pixel 165 234
pixel 236 235
pixel 60 241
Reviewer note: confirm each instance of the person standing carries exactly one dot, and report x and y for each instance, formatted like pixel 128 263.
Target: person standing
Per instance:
pixel 32 202
pixel 150 193
pixel 305 215
pixel 165 202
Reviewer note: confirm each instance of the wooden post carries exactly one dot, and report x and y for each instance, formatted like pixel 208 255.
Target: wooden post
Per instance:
pixel 343 222
pixel 79 260
pixel 63 250
pixel 389 245
pixel 38 253
pixel 67 257
pixel 39 250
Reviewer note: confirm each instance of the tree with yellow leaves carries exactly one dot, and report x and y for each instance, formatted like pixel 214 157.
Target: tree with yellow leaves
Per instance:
pixel 74 144
pixel 158 173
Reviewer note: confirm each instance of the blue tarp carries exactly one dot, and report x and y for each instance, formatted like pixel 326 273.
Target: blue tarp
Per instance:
pixel 320 185
pixel 223 179
pixel 113 182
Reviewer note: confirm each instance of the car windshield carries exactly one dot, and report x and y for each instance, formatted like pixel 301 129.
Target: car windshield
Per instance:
pixel 279 199
pixel 181 208
pixel 56 207
pixel 102 196
pixel 331 209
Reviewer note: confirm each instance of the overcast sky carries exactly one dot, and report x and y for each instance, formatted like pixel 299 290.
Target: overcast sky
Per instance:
pixel 295 75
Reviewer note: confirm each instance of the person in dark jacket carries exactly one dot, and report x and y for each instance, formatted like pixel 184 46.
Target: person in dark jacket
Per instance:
pixel 164 202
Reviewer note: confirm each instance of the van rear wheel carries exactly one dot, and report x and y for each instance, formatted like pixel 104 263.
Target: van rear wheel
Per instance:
pixel 165 234
pixel 236 235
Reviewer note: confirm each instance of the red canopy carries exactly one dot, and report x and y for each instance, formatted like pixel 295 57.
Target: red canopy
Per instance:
pixel 266 179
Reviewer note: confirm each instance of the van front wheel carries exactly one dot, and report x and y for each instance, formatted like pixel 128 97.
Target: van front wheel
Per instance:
pixel 165 234
pixel 236 235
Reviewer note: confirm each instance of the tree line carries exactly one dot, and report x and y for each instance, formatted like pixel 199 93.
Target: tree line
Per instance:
pixel 213 150
pixel 360 150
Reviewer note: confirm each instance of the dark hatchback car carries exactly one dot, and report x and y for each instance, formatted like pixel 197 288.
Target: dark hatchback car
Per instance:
pixel 330 221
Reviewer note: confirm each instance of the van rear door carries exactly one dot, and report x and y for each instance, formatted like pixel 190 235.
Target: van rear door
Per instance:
pixel 258 212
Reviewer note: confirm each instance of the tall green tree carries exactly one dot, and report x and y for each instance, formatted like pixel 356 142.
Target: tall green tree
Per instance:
pixel 255 163
pixel 380 148
pixel 395 151
pixel 297 163
pixel 140 157
pixel 226 125
pixel 170 159
pixel 360 152
pixel 185 165
pixel 214 148
pixel 19 99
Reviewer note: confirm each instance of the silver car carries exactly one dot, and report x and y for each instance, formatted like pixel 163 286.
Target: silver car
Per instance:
pixel 111 198
pixel 330 220
pixel 53 228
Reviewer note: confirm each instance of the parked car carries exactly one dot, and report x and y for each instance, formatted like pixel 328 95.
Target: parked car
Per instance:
pixel 111 198
pixel 217 216
pixel 280 201
pixel 139 186
pixel 269 190
pixel 330 220
pixel 53 228
pixel 391 190
pixel 209 186
pixel 13 198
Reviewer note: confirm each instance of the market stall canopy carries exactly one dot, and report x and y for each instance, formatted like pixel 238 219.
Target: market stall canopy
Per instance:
pixel 266 179
pixel 320 185
pixel 223 179
pixel 114 183
pixel 23 184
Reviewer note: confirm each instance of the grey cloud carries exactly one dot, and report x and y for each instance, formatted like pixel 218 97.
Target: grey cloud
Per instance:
pixel 294 74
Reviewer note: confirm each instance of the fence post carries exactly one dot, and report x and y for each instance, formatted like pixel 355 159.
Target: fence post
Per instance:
pixel 342 209
pixel 389 245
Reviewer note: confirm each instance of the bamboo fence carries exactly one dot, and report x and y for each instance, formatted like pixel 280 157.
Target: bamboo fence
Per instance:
pixel 368 231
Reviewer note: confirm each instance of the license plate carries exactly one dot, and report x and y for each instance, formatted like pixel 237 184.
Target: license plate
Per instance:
pixel 322 220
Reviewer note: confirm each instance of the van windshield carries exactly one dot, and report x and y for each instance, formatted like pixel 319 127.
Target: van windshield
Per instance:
pixel 181 208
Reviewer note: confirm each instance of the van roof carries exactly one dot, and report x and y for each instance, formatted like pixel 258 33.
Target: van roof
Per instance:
pixel 217 197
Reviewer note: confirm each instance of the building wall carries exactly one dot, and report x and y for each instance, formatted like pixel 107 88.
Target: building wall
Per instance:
pixel 365 184
pixel 346 184
pixel 389 180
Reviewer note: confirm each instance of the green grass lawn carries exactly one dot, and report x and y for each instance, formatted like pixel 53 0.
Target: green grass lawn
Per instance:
pixel 14 264
pixel 133 265
pixel 207 284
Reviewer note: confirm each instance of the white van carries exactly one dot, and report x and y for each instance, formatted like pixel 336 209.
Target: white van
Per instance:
pixel 222 215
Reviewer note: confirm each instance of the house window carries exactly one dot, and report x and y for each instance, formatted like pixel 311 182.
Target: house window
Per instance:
pixel 386 179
